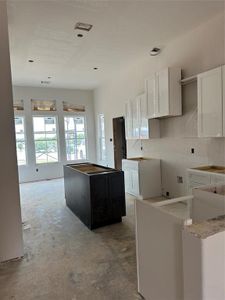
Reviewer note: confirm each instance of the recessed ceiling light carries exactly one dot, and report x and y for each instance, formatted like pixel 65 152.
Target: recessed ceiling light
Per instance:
pixel 95 68
pixel 155 51
pixel 30 60
pixel 80 35
pixel 83 26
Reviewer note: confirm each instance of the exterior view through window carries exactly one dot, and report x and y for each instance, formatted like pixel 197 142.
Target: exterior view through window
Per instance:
pixel 102 148
pixel 20 141
pixel 75 136
pixel 46 139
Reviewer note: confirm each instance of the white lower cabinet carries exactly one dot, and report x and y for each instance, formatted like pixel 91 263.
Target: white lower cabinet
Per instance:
pixel 142 177
pixel 197 178
pixel 159 249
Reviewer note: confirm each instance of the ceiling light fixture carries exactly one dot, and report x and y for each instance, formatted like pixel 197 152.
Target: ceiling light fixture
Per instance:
pixel 83 26
pixel 155 51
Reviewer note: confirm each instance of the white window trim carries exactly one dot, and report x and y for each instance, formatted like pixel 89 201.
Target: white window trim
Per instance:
pixel 102 161
pixel 44 115
pixel 72 115
pixel 22 115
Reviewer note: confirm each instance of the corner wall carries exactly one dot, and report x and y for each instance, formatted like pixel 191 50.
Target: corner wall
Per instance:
pixel 196 51
pixel 11 242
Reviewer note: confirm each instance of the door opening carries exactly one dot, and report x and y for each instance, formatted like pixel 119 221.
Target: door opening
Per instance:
pixel 119 140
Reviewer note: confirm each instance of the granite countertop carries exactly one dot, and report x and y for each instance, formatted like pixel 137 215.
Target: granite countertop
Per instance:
pixel 207 228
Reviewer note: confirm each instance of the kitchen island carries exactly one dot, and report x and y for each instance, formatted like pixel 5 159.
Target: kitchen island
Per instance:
pixel 95 194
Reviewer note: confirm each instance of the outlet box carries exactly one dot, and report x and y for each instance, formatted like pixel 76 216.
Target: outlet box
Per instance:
pixel 179 179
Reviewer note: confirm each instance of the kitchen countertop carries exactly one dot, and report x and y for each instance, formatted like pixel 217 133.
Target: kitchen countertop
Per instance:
pixel 138 158
pixel 207 228
pixel 211 169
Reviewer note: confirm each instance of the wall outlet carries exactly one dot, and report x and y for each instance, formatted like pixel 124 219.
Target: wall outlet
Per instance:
pixel 179 179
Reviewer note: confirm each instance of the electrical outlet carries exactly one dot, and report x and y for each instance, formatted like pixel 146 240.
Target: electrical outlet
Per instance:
pixel 179 179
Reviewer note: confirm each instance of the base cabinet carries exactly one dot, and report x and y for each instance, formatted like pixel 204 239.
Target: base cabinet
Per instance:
pixel 198 178
pixel 96 198
pixel 142 177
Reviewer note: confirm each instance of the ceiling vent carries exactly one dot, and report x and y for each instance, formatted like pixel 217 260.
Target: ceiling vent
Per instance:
pixel 83 26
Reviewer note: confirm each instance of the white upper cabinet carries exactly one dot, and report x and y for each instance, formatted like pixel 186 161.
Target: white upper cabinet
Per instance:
pixel 210 103
pixel 128 120
pixel 137 124
pixel 164 93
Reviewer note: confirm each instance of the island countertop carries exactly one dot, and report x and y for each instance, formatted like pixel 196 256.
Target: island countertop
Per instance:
pixel 207 228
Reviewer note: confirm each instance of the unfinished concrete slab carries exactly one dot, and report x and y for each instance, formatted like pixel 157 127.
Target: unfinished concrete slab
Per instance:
pixel 63 258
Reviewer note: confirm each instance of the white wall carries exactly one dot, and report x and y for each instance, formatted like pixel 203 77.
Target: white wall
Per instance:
pixel 11 244
pixel 195 52
pixel 80 97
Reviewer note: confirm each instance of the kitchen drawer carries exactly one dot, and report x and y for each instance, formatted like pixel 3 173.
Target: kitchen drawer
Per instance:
pixel 199 178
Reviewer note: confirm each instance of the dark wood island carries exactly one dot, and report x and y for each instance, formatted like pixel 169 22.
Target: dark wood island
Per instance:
pixel 95 194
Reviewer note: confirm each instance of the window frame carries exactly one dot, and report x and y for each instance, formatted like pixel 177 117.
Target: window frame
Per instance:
pixel 21 115
pixel 100 138
pixel 51 114
pixel 74 115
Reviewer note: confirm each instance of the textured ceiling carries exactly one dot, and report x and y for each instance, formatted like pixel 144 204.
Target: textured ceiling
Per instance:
pixel 122 31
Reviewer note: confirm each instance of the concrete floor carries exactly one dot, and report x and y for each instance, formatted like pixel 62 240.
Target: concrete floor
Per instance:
pixel 65 260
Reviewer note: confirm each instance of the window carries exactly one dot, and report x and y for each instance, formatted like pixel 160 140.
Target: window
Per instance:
pixel 46 140
pixel 20 141
pixel 43 105
pixel 75 136
pixel 102 147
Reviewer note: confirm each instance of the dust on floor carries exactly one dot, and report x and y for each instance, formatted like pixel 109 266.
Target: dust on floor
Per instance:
pixel 63 259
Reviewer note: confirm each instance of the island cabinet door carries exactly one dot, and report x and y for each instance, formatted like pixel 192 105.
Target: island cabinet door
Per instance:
pixel 117 195
pixel 100 206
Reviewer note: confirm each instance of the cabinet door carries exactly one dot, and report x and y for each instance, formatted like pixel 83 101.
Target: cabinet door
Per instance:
pixel 143 107
pixel 163 93
pixel 128 120
pixel 210 123
pixel 136 118
pixel 150 85
pixel 134 182
pixel 223 75
pixel 127 180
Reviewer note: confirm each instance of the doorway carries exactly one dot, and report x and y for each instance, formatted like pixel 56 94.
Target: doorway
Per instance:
pixel 119 140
